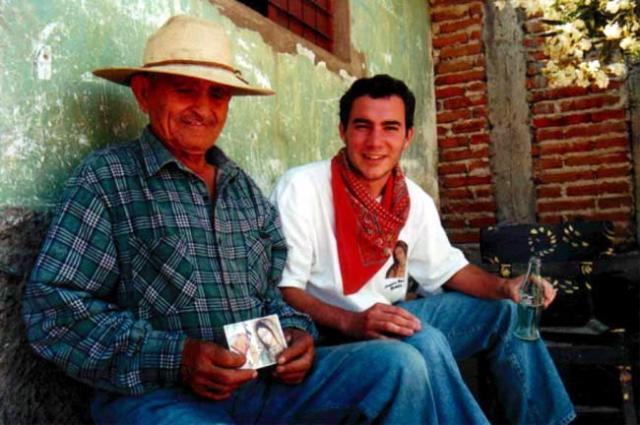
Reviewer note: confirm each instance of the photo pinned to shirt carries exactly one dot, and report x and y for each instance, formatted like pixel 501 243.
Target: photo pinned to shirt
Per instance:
pixel 400 254
pixel 260 340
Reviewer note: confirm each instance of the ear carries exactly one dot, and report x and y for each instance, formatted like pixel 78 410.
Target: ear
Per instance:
pixel 140 85
pixel 408 137
pixel 342 131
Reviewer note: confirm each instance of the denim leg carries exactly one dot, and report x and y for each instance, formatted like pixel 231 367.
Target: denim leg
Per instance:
pixel 454 402
pixel 362 382
pixel 377 381
pixel 529 387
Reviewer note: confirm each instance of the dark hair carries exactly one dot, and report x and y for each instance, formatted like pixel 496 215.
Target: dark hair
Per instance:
pixel 378 86
pixel 262 324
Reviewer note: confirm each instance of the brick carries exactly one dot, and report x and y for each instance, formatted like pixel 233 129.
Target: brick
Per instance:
pixel 617 114
pixel 561 121
pixel 462 154
pixel 544 108
pixel 588 130
pixel 590 102
pixel 615 202
pixel 565 147
pixel 456 168
pixel 475 35
pixel 596 159
pixel 471 206
pixel 456 103
pixel 470 126
pixel 459 25
pixel 454 223
pixel 469 49
pixel 464 64
pixel 477 86
pixel 623 171
pixel 533 41
pixel 537 55
pixel 450 116
pixel 448 40
pixel 549 163
pixel 482 192
pixel 480 139
pixel 446 92
pixel 535 26
pixel 549 192
pixel 482 222
pixel 570 205
pixel 548 134
pixel 476 10
pixel 462 193
pixel 566 176
pixel 559 93
pixel 598 189
pixel 479 112
pixel 459 77
pixel 448 14
pixel 454 182
pixel 453 142
pixel 614 142
pixel 442 130
pixel 463 238
pixel 451 2
pixel 611 216
pixel 550 219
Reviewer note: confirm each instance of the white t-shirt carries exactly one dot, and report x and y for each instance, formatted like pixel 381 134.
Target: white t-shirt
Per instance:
pixel 304 199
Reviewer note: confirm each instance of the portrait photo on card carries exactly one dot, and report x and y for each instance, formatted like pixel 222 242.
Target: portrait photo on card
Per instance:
pixel 260 340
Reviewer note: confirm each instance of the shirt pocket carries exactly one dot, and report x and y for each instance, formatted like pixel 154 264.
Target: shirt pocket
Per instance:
pixel 258 261
pixel 163 274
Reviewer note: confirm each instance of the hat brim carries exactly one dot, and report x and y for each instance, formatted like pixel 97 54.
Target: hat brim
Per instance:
pixel 217 75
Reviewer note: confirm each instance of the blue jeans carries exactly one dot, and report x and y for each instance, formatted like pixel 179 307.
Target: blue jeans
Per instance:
pixel 381 381
pixel 456 326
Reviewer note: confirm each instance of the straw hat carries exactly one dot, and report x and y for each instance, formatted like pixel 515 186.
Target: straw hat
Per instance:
pixel 191 47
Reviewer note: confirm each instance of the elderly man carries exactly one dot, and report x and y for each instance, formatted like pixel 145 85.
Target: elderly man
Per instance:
pixel 160 242
pixel 344 221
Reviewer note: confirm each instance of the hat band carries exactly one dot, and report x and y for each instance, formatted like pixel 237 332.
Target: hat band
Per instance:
pixel 237 72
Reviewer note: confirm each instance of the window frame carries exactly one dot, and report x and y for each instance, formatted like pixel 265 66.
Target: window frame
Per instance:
pixel 343 58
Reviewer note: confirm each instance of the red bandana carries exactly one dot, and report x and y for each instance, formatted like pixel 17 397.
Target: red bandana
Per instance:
pixel 366 230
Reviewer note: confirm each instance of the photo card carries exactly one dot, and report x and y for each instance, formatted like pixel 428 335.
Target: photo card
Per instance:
pixel 260 340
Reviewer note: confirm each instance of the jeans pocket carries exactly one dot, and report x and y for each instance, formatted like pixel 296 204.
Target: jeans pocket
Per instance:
pixel 163 274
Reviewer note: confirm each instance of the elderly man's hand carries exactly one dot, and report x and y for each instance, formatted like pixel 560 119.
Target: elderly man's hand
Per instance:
pixel 295 361
pixel 212 371
pixel 512 288
pixel 381 321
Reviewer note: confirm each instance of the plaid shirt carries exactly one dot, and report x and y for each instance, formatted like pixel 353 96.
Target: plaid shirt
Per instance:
pixel 138 258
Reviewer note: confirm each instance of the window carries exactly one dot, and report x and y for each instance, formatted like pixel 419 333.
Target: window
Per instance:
pixel 321 26
pixel 310 19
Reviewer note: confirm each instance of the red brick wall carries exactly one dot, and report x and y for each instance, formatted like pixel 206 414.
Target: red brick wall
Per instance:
pixel 580 137
pixel 467 201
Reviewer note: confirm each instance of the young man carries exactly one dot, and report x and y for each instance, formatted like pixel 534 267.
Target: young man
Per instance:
pixel 160 242
pixel 342 220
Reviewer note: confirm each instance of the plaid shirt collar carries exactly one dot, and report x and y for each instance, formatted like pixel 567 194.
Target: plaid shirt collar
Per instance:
pixel 156 156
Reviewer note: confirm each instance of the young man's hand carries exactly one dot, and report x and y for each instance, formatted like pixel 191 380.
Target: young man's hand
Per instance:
pixel 512 289
pixel 381 321
pixel 295 361
pixel 212 371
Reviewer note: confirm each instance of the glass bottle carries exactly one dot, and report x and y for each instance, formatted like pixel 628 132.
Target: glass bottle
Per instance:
pixel 531 303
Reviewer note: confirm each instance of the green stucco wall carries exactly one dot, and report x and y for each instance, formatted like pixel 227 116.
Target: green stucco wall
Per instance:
pixel 53 113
